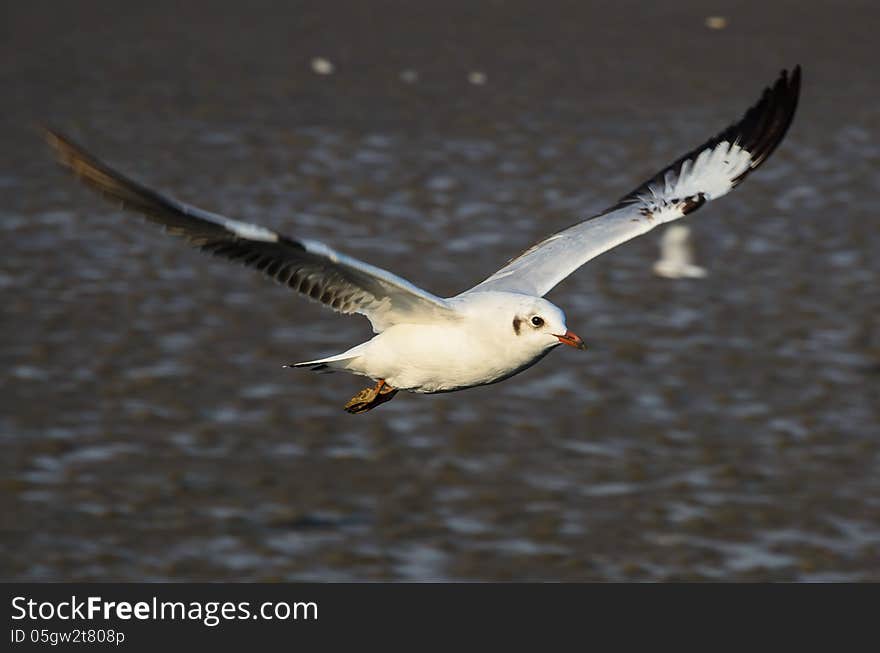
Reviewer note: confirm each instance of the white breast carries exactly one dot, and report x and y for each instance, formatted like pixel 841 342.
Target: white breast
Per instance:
pixel 426 358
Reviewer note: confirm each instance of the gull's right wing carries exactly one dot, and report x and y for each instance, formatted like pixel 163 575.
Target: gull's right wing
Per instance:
pixel 705 174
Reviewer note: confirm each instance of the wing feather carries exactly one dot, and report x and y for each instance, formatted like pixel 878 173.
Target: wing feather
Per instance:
pixel 308 267
pixel 705 173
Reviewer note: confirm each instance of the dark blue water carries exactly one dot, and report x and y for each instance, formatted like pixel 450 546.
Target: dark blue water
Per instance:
pixel 724 428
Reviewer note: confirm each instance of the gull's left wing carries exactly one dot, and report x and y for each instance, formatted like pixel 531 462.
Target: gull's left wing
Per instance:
pixel 310 268
pixel 706 173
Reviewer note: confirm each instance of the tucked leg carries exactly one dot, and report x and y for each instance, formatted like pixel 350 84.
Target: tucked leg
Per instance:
pixel 369 398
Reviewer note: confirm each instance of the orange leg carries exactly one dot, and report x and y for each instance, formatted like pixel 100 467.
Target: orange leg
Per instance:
pixel 369 398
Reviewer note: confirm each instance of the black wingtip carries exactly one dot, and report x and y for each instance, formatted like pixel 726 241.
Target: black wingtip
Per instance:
pixel 56 139
pixel 42 128
pixel 765 124
pixel 759 131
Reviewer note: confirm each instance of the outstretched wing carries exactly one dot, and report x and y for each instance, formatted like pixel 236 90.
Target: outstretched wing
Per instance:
pixel 311 268
pixel 706 173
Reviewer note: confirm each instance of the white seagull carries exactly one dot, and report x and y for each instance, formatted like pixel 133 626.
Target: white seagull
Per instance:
pixel 498 328
pixel 677 255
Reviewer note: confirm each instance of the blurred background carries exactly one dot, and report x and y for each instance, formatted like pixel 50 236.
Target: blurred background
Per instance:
pixel 725 428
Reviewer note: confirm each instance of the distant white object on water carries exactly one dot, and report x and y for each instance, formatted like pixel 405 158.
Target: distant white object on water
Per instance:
pixel 477 77
pixel 409 76
pixel 716 22
pixel 322 66
pixel 677 255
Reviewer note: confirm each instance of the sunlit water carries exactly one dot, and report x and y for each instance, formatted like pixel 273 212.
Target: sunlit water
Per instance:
pixel 724 428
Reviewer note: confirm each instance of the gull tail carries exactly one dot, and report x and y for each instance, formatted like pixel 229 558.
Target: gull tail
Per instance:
pixel 331 363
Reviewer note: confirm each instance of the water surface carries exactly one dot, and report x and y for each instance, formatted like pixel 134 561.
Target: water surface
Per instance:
pixel 724 428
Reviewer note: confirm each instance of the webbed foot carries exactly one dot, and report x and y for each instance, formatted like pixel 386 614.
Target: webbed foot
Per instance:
pixel 369 398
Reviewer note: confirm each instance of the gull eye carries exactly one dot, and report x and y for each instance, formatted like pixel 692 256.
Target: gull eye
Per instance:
pixel 537 321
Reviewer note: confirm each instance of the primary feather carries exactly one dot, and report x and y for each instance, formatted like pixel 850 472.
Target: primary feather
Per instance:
pixel 310 268
pixel 706 173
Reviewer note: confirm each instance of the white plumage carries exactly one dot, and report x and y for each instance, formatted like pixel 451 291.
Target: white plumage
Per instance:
pixel 503 325
pixel 677 255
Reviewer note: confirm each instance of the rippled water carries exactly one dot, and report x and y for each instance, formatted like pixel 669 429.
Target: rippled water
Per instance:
pixel 724 428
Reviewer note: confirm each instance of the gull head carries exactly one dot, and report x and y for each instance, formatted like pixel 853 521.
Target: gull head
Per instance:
pixel 542 324
pixel 522 322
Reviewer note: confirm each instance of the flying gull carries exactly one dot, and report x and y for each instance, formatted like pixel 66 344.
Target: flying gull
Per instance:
pixel 498 328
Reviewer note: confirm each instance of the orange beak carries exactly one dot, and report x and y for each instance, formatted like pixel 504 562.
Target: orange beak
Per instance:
pixel 572 340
